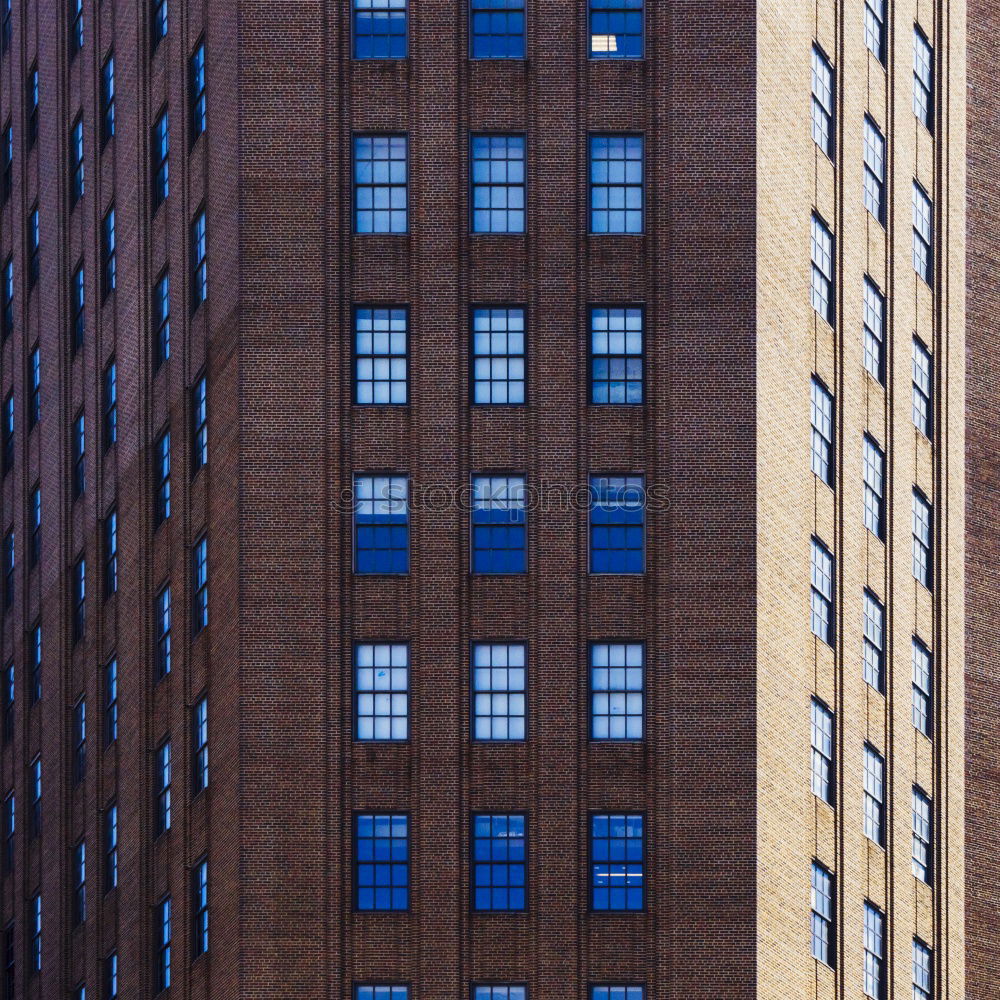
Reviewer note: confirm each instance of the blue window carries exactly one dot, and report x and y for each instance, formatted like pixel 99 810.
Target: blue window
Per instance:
pixel 616 355
pixel 158 29
pixel 34 248
pixel 381 524
pixel 75 26
pixel 161 473
pixel 616 690
pixel 382 861
pixel 497 29
pixel 164 938
pixel 499 680
pixel 199 425
pixel 379 29
pixel 616 862
pixel 35 387
pixel 617 524
pixel 199 585
pixel 107 99
pixel 380 347
pixel 109 259
pixel 76 163
pixel 498 355
pixel 381 690
pixel 8 433
pixel 380 184
pixel 196 83
pixel 616 191
pixel 162 620
pixel 36 664
pixel 78 301
pixel 617 993
pixel 160 150
pixel 498 184
pixel 499 862
pixel 616 29
pixel 380 992
pixel 8 297
pixel 499 525
pixel 199 260
pixel 161 321
pixel 111 701
pixel 199 892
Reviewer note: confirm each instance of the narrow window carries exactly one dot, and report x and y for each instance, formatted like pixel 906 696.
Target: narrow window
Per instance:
pixel 75 26
pixel 380 183
pixel 617 524
pixel 111 847
pixel 616 183
pixel 78 298
pixel 163 785
pixel 923 698
pixel 873 461
pixel 110 405
pixel 35 810
pixel 7 152
pixel 111 976
pixel 822 752
pixel 111 554
pixel 199 908
pixel 502 991
pixel 923 412
pixel 617 685
pixel 35 932
pixel 615 29
pixel 34 387
pixel 199 422
pixel 379 29
pixel 76 185
pixel 9 566
pixel 382 861
pixel 5 37
pixel 8 297
pixel 107 99
pixel 31 108
pixel 822 102
pixel 199 104
pixel 822 619
pixel 109 259
pixel 382 992
pixel 496 29
pixel 498 183
pixel 199 260
pixel 79 589
pixel 874 952
pixel 874 330
pixel 923 78
pixel 822 269
pixel 35 647
pixel 922 558
pixel 874 641
pixel 923 232
pixel 616 862
pixel 874 796
pixel 160 144
pixel 499 685
pixel 79 442
pixel 34 246
pixel 111 701
pixel 875 28
pixel 163 937
pixel 380 355
pixel 35 541
pixel 199 746
pixel 381 524
pixel 498 358
pixel 822 432
pixel 79 741
pixel 9 829
pixel 163 633
pixel 161 472
pixel 158 24
pixel 79 883
pixel 499 525
pixel 874 180
pixel 922 835
pixel 499 862
pixel 161 321
pixel 616 354
pixel 8 433
pixel 9 702
pixel 923 971
pixel 199 585
pixel 381 691
pixel 822 915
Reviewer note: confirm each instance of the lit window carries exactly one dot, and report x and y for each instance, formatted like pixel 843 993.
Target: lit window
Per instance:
pixel 822 102
pixel 616 690
pixel 111 976
pixel 922 559
pixel 922 367
pixel 875 28
pixel 923 78
pixel 111 847
pixel 163 633
pixel 163 945
pixel 381 690
pixel 107 99
pixel 874 159
pixel 616 29
pixel 873 462
pixel 874 330
pixel 379 29
pixel 79 883
pixel 499 862
pixel 616 353
pixel 617 524
pixel 199 908
pixel 199 746
pixel 161 473
pixel 923 971
pixel 822 915
pixel 498 355
pixel 160 144
pixel 499 682
pixel 35 540
pixel 498 183
pixel 163 788
pixel 822 432
pixel 382 861
pixel 109 257
pixel 381 524
pixel 199 585
pixel 922 834
pixel 199 424
pixel 822 752
pixel 616 183
pixel 822 592
pixel 874 796
pixel 822 269
pixel 616 862
pixel 380 355
pixel 380 183
pixel 497 29
pixel 499 525
pixel 923 698
pixel 874 952
pixel 76 163
pixel 196 84
pixel 923 232
pixel 111 701
pixel 35 925
pixel 161 321
pixel 199 260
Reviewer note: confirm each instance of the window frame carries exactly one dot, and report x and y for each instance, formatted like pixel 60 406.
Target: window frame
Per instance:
pixel 358 692
pixel 474 690
pixel 593 504
pixel 923 206
pixel 590 230
pixel 820 710
pixel 474 863
pixel 873 640
pixel 490 186
pixel 356 861
pixel 386 6
pixel 393 499
pixel 356 310
pixel 644 840
pixel 829 600
pixel 516 483
pixel 923 836
pixel 592 691
pixel 874 147
pixel 818 388
pixel 919 692
pixel 873 466
pixel 823 284
pixel 923 90
pixel 599 57
pixel 876 966
pixel 874 817
pixel 489 308
pixel 471 12
pixel 921 353
pixel 828 922
pixel 625 308
pixel 924 545
pixel 388 186
pixel 828 114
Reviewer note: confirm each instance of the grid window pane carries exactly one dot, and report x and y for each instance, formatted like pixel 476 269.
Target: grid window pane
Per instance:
pixel 874 952
pixel 921 539
pixel 922 688
pixel 923 230
pixel 498 184
pixel 874 173
pixel 616 862
pixel 873 462
pixel 874 331
pixel 616 29
pixel 923 971
pixel 380 355
pixel 379 29
pixel 380 183
pixel 381 992
pixel 822 432
pixel 496 29
pixel 875 28
pixel 822 269
pixel 498 362
pixel 617 524
pixel 499 525
pixel 616 188
pixel 381 690
pixel 922 835
pixel 499 862
pixel 616 349
pixel 382 861
pixel 822 751
pixel 822 592
pixel 381 524
pixel 922 368
pixel 499 683
pixel 616 690
pixel 923 78
pixel 822 102
pixel 874 641
pixel 874 796
pixel 498 992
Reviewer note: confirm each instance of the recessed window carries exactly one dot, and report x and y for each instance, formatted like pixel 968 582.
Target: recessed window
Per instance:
pixel 76 180
pixel 616 354
pixel 199 424
pixel 874 641
pixel 499 525
pixel 923 78
pixel 923 234
pixel 111 701
pixel 34 387
pixel 163 776
pixel 874 952
pixel 822 102
pixel 35 791
pixel 381 690
pixel 199 260
pixel 107 99
pixel 162 623
pixel 161 321
pixel 34 247
pixel 382 861
pixel 111 847
pixel 111 976
pixel 9 829
pixel 75 26
pixel 8 297
pixel 499 862
pixel 822 269
pixel 616 862
pixel 822 915
pixel 380 183
pixel 379 29
pixel 923 971
pixel 79 731
pixel 617 686
pixel 161 476
pixel 35 932
pixel 78 441
pixel 196 92
pixel 7 167
pixel 5 37
pixel 77 304
pixel 381 992
pixel 496 29
pixel 199 908
pixel 109 405
pixel 822 620
pixel 923 688
pixel 163 939
pixel 874 331
pixel 79 889
pixel 616 29
pixel 499 683
pixel 822 432
pixel 31 108
pixel 873 463
pixel 109 255
pixel 9 702
pixel 78 584
pixel 380 355
pixel 160 146
pixel 35 647
pixel 617 524
pixel 498 360
pixel 874 160
pixel 35 522
pixel 495 991
pixel 381 524
pixel 159 23
pixel 199 746
pixel 498 183
pixel 874 770
pixel 616 183
pixel 199 585
pixel 822 752
pixel 923 411
pixel 922 835
pixel 922 558
pixel 875 28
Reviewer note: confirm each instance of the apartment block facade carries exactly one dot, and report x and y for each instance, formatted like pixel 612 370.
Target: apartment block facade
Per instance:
pixel 484 500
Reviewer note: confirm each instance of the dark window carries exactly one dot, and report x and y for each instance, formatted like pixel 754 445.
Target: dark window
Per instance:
pixel 380 355
pixel 163 633
pixel 199 261
pixel 875 28
pixel 160 144
pixel 34 387
pixel 35 933
pixel 9 565
pixel 381 691
pixel 161 474
pixel 35 790
pixel 79 449
pixel 873 465
pixel 111 553
pixel 158 24
pixel 199 422
pixel 922 556
pixel 496 29
pixel 874 951
pixel 7 152
pixel 199 908
pixel 923 410
pixel 199 585
pixel 79 741
pixel 111 701
pixel 161 321
pixel 109 259
pixel 31 107
pixel 822 752
pixel 923 234
pixel 79 883
pixel 617 524
pixel 379 29
pixel 823 126
pixel 616 690
pixel 5 36
pixel 382 861
pixel 9 702
pixel 616 862
pixel 499 683
pixel 498 183
pixel 75 26
pixel 499 525
pixel 616 183
pixel 9 829
pixel 874 330
pixel 79 589
pixel 874 172
pixel 76 186
pixel 822 615
pixel 8 433
pixel 35 647
pixel 381 524
pixel 34 242
pixel 822 269
pixel 111 847
pixel 498 359
pixel 874 796
pixel 822 432
pixel 616 349
pixel 923 835
pixel 380 183
pixel 110 405
pixel 822 915
pixel 199 105
pixel 199 746
pixel 615 29
pixel 923 689
pixel 162 941
pixel 77 296
pixel 35 539
pixel 923 78
pixel 107 99
pixel 499 862
pixel 8 297
pixel 111 976
pixel 163 786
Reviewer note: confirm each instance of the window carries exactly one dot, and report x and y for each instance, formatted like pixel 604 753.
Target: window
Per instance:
pixel 34 241
pixel 616 690
pixel 199 585
pixel 498 183
pixel 616 862
pixel 822 102
pixel 34 387
pixel 35 926
pixel 160 143
pixel 496 29
pixel 495 991
pixel 822 752
pixel 199 746
pixel 499 862
pixel 199 908
pixel 923 78
pixel 922 559
pixel 158 26
pixel 80 992
pixel 874 641
pixel 381 690
pixel 163 633
pixel 8 162
pixel 79 741
pixel 499 683
pixel 874 796
pixel 8 297
pixel 381 992
pixel 35 785
pixel 161 321
pixel 75 26
pixel 199 261
pixel 822 269
pixel 107 99
pixel 9 829
pixel 923 698
pixel 162 943
pixel 923 979
pixel 874 159
pixel 111 554
pixel 199 104
pixel 923 413
pixel 874 951
pixel 8 433
pixel 822 592
pixel 822 915
pixel 615 29
pixel 616 184
pixel 76 163
pixel 874 330
pixel 382 861
pixel 79 590
pixel 922 833
pixel 8 702
pixel 875 28
pixel 499 525
pixel 617 524
pixel 498 361
pixel 79 883
pixel 199 428
pixel 163 782
pixel 923 230
pixel 77 296
pixel 822 432
pixel 35 541
pixel 380 183
pixel 381 524
pixel 110 405
pixel 380 355
pixel 379 29
pixel 111 976
pixel 8 570
pixel 36 664
pixel 109 265
pixel 5 36
pixel 111 701
pixel 161 473
pixel 31 108
pixel 617 993
pixel 616 335
pixel 873 461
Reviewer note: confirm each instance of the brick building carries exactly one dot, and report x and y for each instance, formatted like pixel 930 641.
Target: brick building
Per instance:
pixel 483 499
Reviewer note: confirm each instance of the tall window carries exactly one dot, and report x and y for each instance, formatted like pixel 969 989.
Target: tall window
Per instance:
pixel 35 933
pixel 111 701
pixel 922 835
pixel 380 183
pixel 874 641
pixel 35 786
pixel 616 862
pixel 161 473
pixel 77 303
pixel 76 163
pixel 31 108
pixel 380 355
pixel 79 442
pixel 381 524
pixel 499 683
pixel 496 991
pixel 923 234
pixel 159 23
pixel 9 829
pixel 111 553
pixel 822 432
pixel 5 37
pixel 496 29
pixel 822 752
pixel 9 566
pixel 874 952
pixel 923 697
pixel 109 257
pixel 111 976
pixel 922 558
pixel 163 632
pixel 874 159
pixel 923 78
pixel 196 92
pixel 161 321
pixel 34 387
pixel 79 741
pixel 163 938
pixel 923 412
pixel 617 524
pixel 9 702
pixel 616 183
pixel 873 461
pixel 499 862
pixel 616 29
pixel 822 102
pixel 379 29
pixel 35 648
pixel 35 539
pixel 381 690
pixel 7 152
pixel 8 433
pixel 79 883
pixel 109 405
pixel 617 687
pixel 163 788
pixel 616 352
pixel 875 28
pixel 822 619
pixel 382 861
pixel 199 745
pixel 8 297
pixel 199 585
pixel 199 260
pixel 199 424
pixel 822 915
pixel 874 796
pixel 498 358
pixel 822 269
pixel 75 26
pixel 160 144
pixel 874 329
pixel 79 587
pixel 498 183
pixel 499 525
pixel 34 246
pixel 923 971
pixel 111 847
pixel 107 99
pixel 199 908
